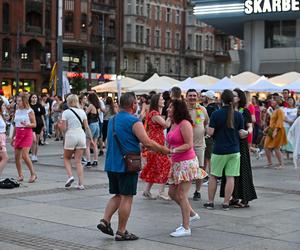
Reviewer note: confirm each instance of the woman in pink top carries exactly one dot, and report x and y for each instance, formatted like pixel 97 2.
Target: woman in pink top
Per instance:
pixel 185 166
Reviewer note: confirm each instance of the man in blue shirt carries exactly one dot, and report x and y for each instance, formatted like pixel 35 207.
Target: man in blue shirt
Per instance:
pixel 122 184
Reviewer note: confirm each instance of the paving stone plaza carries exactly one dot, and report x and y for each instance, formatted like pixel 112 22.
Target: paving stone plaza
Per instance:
pixel 45 215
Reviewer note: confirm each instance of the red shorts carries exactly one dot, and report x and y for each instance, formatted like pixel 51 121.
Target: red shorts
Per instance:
pixel 24 137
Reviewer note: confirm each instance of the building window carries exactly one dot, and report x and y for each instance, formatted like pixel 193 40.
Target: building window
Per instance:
pixel 48 18
pixel 139 34
pixel 136 65
pixel 5 17
pixel 190 18
pixel 148 37
pixel 169 15
pixel 168 40
pixel 5 49
pixel 190 42
pixel 280 34
pixel 83 22
pixel 157 64
pixel 129 7
pixel 177 41
pixel 147 63
pixel 198 43
pixel 177 16
pixel 125 63
pixel 139 7
pixel 157 14
pixel 148 10
pixel 69 22
pixel 168 65
pixel 128 33
pixel 211 43
pixel 157 38
pixel 206 42
pixel 177 66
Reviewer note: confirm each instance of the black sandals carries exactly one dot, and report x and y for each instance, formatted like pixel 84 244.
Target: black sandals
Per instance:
pixel 125 236
pixel 105 227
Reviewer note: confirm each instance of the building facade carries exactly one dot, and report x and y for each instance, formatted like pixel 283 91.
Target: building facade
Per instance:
pixel 167 35
pixel 27 44
pixel 270 30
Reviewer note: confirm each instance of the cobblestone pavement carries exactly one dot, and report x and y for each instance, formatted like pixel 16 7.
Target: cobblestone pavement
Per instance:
pixel 45 215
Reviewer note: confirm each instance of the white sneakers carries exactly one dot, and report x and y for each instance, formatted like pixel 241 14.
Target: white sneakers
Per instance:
pixel 34 158
pixel 181 232
pixel 69 182
pixel 79 187
pixel 192 219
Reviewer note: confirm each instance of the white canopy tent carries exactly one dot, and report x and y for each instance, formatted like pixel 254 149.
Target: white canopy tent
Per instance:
pixel 170 80
pixel 263 85
pixel 224 83
pixel 112 86
pixel 295 86
pixel 154 83
pixel 285 79
pixel 190 83
pixel 246 79
pixel 206 81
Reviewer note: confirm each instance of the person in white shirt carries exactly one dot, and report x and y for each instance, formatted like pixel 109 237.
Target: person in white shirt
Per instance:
pixel 74 123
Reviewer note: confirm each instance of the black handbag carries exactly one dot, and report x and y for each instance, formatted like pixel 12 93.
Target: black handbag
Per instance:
pixel 133 161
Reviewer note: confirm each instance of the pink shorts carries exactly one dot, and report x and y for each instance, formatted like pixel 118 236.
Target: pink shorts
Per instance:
pixel 3 142
pixel 24 137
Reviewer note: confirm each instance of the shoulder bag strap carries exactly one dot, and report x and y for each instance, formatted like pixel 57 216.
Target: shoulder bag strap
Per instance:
pixel 117 138
pixel 77 117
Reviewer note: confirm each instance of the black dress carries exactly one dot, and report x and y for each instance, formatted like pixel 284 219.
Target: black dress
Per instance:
pixel 243 185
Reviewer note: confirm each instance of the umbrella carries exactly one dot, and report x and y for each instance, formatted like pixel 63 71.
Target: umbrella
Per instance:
pixel 223 84
pixel 190 83
pixel 263 85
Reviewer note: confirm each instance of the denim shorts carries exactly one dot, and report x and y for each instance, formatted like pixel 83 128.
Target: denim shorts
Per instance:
pixel 95 129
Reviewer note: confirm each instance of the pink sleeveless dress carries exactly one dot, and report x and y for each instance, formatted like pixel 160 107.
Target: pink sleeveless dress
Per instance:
pixel 185 165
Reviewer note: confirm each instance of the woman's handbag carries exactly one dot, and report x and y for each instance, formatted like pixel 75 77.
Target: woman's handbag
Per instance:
pixel 132 161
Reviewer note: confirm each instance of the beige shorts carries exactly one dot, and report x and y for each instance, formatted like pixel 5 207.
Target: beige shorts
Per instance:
pixel 75 139
pixel 200 151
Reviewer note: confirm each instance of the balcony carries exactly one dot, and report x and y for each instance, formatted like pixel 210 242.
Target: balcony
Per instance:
pixel 109 36
pixel 192 53
pixel 26 65
pixel 6 64
pixel 103 8
pixel 33 29
pixel 133 46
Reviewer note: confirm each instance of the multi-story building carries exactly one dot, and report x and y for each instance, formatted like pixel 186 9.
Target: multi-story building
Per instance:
pixel 90 38
pixel 168 35
pixel 27 44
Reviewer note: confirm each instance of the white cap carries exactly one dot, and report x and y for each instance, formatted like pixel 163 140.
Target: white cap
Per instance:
pixel 210 94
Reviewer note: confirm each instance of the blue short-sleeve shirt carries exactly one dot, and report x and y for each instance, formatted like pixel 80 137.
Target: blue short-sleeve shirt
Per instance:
pixel 130 144
pixel 226 140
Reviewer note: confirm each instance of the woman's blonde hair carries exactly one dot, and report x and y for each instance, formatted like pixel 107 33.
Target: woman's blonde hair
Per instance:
pixel 25 101
pixel 73 101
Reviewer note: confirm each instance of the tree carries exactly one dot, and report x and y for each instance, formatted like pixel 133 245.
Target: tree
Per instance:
pixel 151 70
pixel 78 82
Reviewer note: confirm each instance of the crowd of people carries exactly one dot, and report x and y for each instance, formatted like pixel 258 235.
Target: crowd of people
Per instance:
pixel 185 139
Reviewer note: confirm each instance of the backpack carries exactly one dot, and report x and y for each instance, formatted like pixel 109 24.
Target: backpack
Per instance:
pixel 9 183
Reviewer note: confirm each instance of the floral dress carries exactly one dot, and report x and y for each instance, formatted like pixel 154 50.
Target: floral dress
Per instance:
pixel 158 165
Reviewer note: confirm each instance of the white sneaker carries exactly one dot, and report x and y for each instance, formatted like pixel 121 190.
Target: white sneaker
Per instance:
pixel 192 219
pixel 69 182
pixel 181 232
pixel 80 187
pixel 148 195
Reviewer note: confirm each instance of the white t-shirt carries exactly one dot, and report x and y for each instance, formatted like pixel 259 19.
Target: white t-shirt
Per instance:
pixel 2 125
pixel 71 118
pixel 6 102
pixel 46 106
pixel 22 116
pixel 290 114
pixel 102 106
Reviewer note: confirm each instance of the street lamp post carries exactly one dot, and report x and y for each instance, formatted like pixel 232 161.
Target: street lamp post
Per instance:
pixel 18 60
pixel 59 49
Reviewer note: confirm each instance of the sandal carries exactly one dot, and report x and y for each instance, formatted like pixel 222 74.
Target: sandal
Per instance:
pixel 32 179
pixel 233 202
pixel 125 236
pixel 241 205
pixel 20 178
pixel 105 227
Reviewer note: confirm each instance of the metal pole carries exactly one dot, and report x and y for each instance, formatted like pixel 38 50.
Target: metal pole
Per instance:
pixel 18 60
pixel 103 46
pixel 59 49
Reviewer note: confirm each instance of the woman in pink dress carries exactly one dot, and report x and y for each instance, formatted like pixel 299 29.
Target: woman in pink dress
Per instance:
pixel 158 165
pixel 185 165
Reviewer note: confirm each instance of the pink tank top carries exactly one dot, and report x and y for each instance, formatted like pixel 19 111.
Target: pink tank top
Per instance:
pixel 175 139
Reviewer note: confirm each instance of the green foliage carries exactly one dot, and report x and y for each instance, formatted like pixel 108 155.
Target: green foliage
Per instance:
pixel 151 70
pixel 78 83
